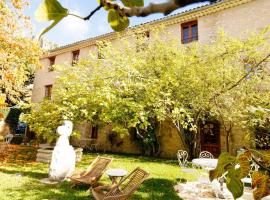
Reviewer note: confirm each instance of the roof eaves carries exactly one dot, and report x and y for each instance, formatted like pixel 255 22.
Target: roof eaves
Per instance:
pixel 133 27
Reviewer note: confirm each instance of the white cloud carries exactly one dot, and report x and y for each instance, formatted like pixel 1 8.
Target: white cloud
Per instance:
pixel 74 28
pixel 103 28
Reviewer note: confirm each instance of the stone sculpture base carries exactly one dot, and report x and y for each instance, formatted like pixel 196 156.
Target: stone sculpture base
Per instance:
pixel 45 155
pixel 48 181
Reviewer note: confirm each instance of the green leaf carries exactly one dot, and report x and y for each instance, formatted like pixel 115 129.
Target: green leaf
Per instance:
pixel 132 3
pixel 50 10
pixel 224 160
pixel 117 22
pixel 234 184
pixel 48 28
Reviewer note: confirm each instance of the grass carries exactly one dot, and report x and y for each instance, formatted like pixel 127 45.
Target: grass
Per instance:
pixel 21 181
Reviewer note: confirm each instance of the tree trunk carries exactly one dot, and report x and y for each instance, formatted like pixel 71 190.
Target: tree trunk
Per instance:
pixel 182 138
pixel 228 133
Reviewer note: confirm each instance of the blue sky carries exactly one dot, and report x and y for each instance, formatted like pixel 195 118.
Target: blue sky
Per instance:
pixel 72 29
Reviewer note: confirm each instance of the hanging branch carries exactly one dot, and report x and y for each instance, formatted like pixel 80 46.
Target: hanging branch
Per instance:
pixel 93 12
pixel 255 68
pixel 165 8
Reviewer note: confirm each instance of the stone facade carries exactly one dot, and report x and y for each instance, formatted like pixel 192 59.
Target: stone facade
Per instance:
pixel 235 17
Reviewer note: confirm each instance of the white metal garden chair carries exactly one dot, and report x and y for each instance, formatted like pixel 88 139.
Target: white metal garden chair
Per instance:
pixel 186 167
pixel 182 157
pixel 206 154
pixel 253 167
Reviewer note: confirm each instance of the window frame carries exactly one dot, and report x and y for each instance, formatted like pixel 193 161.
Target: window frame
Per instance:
pixel 48 91
pixel 94 132
pixel 75 56
pixel 142 46
pixel 52 63
pixel 189 25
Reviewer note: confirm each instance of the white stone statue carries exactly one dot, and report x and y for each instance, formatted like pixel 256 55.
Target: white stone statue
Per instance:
pixel 63 157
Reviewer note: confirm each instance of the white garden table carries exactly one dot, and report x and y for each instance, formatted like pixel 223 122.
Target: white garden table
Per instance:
pixel 114 174
pixel 206 163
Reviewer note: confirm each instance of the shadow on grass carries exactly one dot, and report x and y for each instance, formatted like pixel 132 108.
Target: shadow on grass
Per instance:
pixel 132 157
pixel 31 174
pixel 38 191
pixel 156 189
pixel 151 189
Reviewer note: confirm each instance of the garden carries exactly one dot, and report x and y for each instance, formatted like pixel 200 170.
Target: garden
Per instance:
pixel 159 120
pixel 22 181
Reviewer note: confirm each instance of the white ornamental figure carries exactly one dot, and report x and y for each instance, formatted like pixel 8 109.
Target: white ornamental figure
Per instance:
pixel 63 156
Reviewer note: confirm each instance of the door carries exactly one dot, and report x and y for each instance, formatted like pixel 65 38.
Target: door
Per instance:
pixel 210 137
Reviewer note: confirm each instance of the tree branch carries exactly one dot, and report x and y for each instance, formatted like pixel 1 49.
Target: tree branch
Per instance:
pixel 258 66
pixel 165 8
pixel 93 12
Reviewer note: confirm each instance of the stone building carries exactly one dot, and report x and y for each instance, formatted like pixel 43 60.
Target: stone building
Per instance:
pixel 200 25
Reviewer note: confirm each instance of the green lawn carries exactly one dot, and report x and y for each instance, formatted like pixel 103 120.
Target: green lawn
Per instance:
pixel 22 181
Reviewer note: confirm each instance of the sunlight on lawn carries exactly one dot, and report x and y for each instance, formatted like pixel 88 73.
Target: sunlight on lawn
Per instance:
pixel 22 181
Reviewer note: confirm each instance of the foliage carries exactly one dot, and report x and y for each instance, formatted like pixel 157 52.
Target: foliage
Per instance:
pixel 236 168
pixel 182 84
pixel 258 120
pixel 45 125
pixel 18 54
pixel 262 184
pixel 17 154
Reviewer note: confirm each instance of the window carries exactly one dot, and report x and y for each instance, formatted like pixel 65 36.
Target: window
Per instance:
pixel 101 46
pixel 75 56
pixel 48 91
pixel 142 40
pixel 189 32
pixel 94 132
pixel 52 62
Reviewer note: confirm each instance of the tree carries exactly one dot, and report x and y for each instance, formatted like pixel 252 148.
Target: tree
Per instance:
pixel 131 89
pixel 137 89
pixel 118 11
pixel 18 54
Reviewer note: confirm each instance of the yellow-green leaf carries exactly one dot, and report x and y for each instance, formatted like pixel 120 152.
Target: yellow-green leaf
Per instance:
pixel 132 3
pixel 50 10
pixel 48 28
pixel 117 22
pixel 224 160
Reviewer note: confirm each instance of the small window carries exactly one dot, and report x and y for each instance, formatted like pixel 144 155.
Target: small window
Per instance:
pixel 189 32
pixel 101 46
pixel 94 132
pixel 52 62
pixel 48 91
pixel 75 56
pixel 142 44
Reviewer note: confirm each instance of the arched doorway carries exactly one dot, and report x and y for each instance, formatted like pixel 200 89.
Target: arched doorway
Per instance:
pixel 210 137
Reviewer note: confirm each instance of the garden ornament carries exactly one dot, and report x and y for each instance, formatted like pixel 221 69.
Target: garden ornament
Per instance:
pixel 63 156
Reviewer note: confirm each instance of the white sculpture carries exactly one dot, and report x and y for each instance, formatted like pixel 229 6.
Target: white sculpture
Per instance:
pixel 63 157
